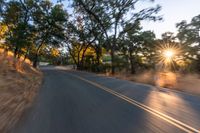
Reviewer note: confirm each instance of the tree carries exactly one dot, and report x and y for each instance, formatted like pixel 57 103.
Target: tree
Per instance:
pixel 189 36
pixel 51 55
pixel 81 37
pixel 49 23
pixel 111 17
pixel 2 2
pixel 33 25
pixel 3 30
pixel 168 37
pixel 19 31
pixel 137 46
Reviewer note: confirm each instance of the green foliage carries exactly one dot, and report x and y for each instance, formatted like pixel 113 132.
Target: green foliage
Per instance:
pixel 112 16
pixel 137 46
pixel 34 28
pixel 33 25
pixel 189 36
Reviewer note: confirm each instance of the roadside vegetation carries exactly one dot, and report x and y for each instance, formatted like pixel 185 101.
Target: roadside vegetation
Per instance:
pixel 99 36
pixel 19 83
pixel 184 82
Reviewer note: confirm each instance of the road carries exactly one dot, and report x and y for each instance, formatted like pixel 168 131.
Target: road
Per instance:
pixel 80 102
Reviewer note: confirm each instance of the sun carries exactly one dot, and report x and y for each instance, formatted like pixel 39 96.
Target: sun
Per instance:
pixel 169 53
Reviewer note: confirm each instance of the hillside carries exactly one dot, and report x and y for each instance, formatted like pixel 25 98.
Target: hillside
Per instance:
pixel 18 86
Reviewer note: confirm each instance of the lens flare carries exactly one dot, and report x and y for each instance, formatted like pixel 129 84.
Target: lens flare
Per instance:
pixel 167 57
pixel 169 53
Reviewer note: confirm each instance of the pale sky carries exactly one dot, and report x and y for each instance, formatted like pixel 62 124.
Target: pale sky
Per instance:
pixel 173 11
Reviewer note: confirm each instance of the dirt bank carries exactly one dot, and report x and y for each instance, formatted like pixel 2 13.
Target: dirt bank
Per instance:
pixel 19 84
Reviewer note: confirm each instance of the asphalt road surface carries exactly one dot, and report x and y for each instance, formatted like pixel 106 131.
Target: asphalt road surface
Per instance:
pixel 80 102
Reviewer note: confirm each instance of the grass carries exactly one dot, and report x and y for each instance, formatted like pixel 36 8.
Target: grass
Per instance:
pixel 19 83
pixel 189 83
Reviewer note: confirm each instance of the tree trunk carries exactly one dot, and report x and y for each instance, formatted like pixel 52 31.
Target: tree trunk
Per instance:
pixel 35 61
pixel 82 58
pixel 98 58
pixel 98 55
pixel 15 52
pixel 133 71
pixel 5 52
pixel 132 67
pixel 112 61
pixel 15 57
pixel 79 66
pixel 198 64
pixel 127 62
pixel 25 56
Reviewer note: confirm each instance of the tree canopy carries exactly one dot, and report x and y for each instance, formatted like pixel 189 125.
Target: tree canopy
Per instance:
pixel 96 35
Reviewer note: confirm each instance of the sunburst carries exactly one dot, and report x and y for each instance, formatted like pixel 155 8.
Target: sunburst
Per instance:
pixel 167 55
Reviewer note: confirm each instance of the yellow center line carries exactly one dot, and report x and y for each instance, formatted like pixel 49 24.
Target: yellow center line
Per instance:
pixel 165 117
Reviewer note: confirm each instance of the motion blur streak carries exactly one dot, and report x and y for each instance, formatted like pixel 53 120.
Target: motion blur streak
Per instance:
pixel 165 117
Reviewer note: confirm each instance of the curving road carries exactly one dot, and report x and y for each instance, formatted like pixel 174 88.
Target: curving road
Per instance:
pixel 80 102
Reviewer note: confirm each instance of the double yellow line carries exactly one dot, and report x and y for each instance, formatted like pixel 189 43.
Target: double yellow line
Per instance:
pixel 164 117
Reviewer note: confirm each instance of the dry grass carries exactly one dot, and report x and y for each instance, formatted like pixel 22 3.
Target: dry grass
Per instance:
pixel 189 83
pixel 18 86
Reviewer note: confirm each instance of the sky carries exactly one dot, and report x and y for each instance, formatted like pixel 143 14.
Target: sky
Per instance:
pixel 173 11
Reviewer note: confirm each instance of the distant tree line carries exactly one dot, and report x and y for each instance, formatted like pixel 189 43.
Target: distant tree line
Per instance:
pixel 98 35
